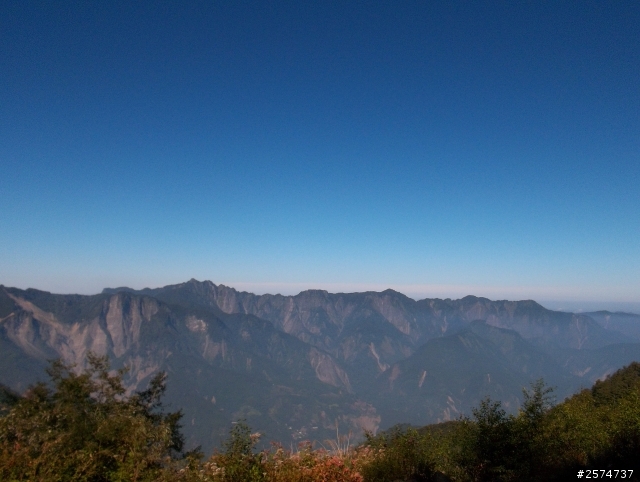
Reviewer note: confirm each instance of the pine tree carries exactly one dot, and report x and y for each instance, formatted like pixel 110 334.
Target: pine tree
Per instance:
pixel 85 428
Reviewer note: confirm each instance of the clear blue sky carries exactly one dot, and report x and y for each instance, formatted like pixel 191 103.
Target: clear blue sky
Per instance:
pixel 438 148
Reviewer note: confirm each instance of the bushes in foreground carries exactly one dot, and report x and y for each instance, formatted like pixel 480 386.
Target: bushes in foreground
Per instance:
pixel 86 429
pixel 238 462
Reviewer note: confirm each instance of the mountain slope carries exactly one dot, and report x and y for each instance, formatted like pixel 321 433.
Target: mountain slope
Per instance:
pixel 368 332
pixel 295 366
pixel 447 376
pixel 627 324
pixel 219 370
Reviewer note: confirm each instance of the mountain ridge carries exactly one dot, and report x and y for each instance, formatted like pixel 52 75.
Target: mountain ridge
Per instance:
pixel 295 366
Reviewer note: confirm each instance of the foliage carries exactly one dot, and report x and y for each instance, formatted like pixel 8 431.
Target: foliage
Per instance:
pixel 308 465
pixel 617 386
pixel 497 446
pixel 600 427
pixel 488 443
pixel 240 462
pixel 399 455
pixel 87 429
pixel 596 428
pixel 8 398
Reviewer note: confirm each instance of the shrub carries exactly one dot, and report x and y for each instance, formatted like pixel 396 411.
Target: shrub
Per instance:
pixel 239 462
pixel 86 429
pixel 398 455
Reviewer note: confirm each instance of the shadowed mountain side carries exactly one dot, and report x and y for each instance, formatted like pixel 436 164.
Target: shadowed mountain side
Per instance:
pixel 521 356
pixel 528 318
pixel 399 324
pixel 333 323
pixel 597 364
pixel 443 379
pixel 447 376
pixel 295 359
pixel 212 397
pixel 293 366
pixel 252 364
pixel 369 346
pixel 7 305
pixel 627 324
pixel 17 369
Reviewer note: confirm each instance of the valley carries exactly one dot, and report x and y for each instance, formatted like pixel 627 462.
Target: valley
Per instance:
pixel 297 367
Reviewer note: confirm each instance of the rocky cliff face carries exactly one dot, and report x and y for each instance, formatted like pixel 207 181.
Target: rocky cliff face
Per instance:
pixel 365 331
pixel 398 324
pixel 117 330
pixel 294 366
pixel 147 335
pixel 628 324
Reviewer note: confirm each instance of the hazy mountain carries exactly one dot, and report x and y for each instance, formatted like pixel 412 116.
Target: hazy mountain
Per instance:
pixel 448 376
pixel 596 364
pixel 294 366
pixel 374 330
pixel 220 370
pixel 627 324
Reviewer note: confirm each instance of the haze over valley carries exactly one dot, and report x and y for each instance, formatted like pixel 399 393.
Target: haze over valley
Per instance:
pixel 321 216
pixel 294 366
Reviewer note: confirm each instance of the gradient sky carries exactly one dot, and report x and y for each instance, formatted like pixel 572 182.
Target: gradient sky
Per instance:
pixel 437 148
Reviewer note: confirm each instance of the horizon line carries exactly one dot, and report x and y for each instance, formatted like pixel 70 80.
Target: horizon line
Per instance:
pixel 414 291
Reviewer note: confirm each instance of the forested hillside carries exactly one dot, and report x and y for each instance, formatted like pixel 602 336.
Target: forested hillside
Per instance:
pixel 83 426
pixel 295 366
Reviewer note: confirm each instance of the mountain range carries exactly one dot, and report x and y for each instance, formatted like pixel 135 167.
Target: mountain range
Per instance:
pixel 302 367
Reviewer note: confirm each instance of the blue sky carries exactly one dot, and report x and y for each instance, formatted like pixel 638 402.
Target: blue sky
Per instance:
pixel 438 148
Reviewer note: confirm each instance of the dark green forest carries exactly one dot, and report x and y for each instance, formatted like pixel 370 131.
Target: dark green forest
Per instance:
pixel 83 426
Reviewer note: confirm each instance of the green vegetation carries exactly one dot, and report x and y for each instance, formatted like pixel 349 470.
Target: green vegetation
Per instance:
pixel 8 398
pixel 86 428
pixel 595 429
pixel 399 455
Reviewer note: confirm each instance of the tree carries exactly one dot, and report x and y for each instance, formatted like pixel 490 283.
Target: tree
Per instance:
pixel 533 443
pixel 239 460
pixel 537 402
pixel 401 455
pixel 493 444
pixel 85 428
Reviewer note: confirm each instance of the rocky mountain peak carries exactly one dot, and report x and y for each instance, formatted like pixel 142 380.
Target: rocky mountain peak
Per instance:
pixel 308 360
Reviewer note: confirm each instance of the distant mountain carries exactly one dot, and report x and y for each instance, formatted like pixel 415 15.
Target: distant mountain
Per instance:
pixel 294 366
pixel 220 369
pixel 448 376
pixel 374 330
pixel 627 324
